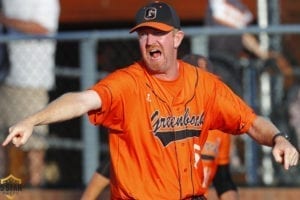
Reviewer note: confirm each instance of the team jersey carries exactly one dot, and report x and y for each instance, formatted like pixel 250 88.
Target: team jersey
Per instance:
pixel 215 152
pixel 156 137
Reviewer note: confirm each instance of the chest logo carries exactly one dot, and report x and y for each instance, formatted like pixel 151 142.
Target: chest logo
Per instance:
pixel 172 128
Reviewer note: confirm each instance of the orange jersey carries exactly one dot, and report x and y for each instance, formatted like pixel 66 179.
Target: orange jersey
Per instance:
pixel 215 152
pixel 152 133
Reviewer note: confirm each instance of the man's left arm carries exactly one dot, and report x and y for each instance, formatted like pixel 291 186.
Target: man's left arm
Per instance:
pixel 263 131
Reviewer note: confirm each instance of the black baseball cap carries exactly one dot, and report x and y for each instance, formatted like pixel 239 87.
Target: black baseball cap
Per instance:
pixel 157 15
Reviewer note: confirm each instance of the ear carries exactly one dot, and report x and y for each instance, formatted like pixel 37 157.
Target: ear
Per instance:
pixel 178 37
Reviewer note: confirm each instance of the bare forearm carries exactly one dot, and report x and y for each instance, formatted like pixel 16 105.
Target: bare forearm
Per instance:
pixel 68 106
pixel 252 45
pixel 263 131
pixel 27 27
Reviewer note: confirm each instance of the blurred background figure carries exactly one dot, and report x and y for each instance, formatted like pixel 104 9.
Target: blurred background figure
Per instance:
pixel 3 74
pixel 31 76
pixel 232 54
pixel 198 61
pixel 235 14
pixel 98 186
pixel 3 54
pixel 228 13
pixel 294 112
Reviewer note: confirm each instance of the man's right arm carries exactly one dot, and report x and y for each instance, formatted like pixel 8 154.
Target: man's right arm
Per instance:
pixel 68 106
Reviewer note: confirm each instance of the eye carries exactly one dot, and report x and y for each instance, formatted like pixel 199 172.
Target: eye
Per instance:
pixel 159 33
pixel 141 34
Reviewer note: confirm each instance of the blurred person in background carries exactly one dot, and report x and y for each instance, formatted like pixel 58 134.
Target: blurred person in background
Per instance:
pixel 3 53
pixel 294 112
pixel 231 48
pixel 98 186
pixel 3 74
pixel 235 14
pixel 31 76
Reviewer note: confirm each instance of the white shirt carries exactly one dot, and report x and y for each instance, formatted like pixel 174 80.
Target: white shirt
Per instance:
pixel 32 62
pixel 229 14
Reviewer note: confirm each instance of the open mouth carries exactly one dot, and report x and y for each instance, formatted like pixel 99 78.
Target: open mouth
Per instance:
pixel 155 53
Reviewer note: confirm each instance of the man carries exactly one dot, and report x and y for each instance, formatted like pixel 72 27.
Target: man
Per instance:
pixel 156 110
pixel 215 158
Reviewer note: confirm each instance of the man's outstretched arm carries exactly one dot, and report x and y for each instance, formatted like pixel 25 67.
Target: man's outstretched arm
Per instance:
pixel 263 131
pixel 68 106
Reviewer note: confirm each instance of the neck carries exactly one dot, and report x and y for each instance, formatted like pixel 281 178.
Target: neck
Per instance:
pixel 171 74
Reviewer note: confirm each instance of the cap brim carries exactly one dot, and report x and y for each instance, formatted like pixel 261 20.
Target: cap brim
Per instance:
pixel 155 25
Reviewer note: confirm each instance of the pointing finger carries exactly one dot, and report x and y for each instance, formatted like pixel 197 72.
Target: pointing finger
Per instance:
pixel 7 140
pixel 12 137
pixel 286 162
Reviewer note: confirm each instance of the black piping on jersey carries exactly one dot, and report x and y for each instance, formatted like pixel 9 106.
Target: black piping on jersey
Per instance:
pixel 207 157
pixel 165 137
pixel 192 153
pixel 184 136
pixel 175 147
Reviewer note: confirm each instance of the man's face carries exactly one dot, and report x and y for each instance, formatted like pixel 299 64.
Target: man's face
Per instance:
pixel 158 48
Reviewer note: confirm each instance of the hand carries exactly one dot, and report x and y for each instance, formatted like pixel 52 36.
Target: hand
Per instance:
pixel 19 134
pixel 282 63
pixel 285 153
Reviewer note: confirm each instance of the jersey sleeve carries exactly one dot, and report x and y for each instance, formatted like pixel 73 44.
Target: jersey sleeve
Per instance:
pixel 112 93
pixel 227 111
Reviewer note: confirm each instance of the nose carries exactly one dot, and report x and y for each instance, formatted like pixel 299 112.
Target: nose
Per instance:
pixel 150 39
